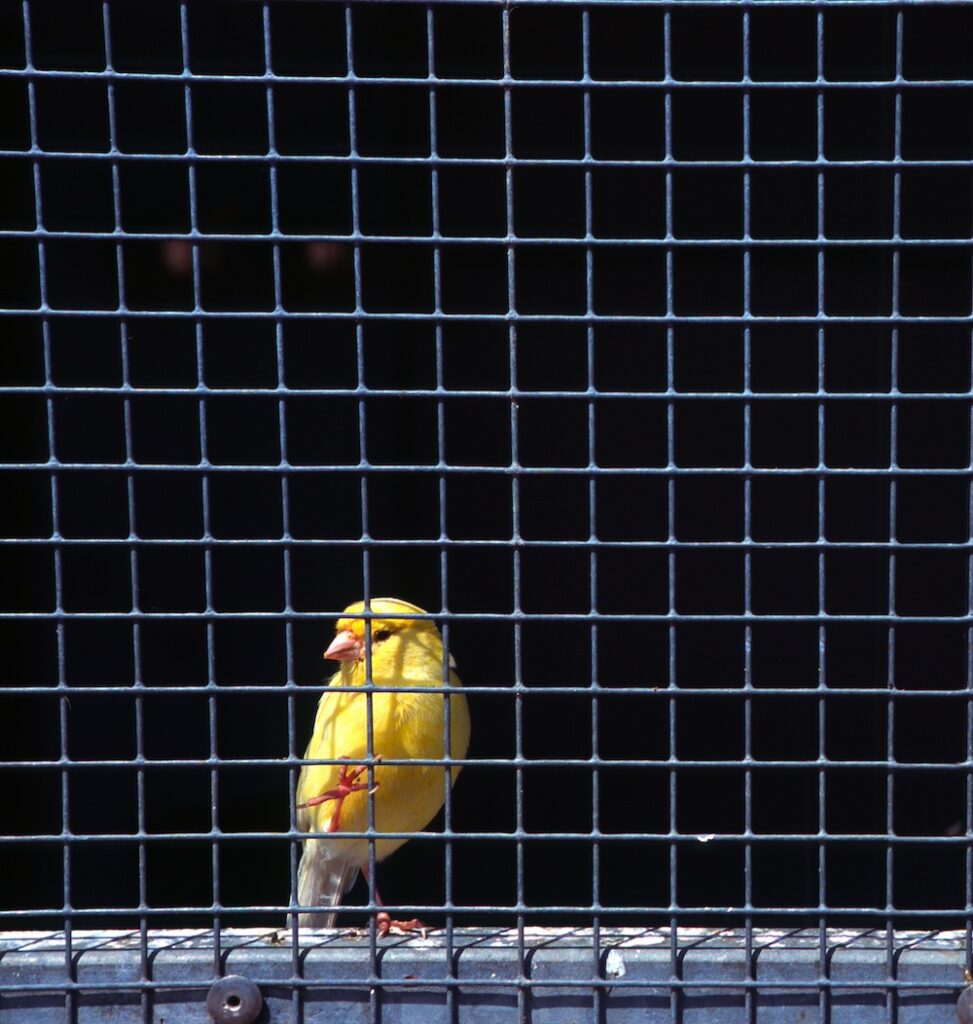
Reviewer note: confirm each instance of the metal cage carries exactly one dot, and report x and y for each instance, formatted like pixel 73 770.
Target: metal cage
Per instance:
pixel 632 340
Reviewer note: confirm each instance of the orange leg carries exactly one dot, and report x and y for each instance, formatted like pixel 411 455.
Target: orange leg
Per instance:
pixel 347 784
pixel 385 924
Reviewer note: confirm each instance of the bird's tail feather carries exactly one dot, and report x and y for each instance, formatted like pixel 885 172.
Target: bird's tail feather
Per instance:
pixel 322 881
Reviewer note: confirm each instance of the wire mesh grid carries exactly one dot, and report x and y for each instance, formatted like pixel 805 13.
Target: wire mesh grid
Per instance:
pixel 632 340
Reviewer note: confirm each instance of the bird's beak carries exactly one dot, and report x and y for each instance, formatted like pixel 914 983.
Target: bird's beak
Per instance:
pixel 345 647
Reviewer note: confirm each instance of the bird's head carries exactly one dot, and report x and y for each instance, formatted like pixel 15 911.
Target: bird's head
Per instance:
pixel 401 647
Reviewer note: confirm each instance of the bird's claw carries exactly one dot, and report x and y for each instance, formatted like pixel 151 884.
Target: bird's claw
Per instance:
pixel 347 784
pixel 385 926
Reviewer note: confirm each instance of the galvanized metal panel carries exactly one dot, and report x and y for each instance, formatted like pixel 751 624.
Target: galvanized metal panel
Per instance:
pixel 491 976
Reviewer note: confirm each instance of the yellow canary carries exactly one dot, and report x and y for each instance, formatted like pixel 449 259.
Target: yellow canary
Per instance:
pixel 409 725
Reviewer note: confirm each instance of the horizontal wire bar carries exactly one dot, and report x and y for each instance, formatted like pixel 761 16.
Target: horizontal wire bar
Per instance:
pixel 364 316
pixel 664 692
pixel 662 763
pixel 500 241
pixel 674 4
pixel 447 543
pixel 587 162
pixel 666 910
pixel 356 983
pixel 271 78
pixel 290 615
pixel 55 465
pixel 743 4
pixel 694 939
pixel 660 838
pixel 503 394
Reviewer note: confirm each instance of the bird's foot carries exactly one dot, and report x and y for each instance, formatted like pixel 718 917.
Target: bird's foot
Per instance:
pixel 385 925
pixel 347 784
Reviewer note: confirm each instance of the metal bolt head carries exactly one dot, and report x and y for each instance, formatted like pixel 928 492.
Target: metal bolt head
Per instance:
pixel 234 1000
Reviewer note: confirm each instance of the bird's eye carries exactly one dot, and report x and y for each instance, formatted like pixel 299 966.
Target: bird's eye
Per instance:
pixel 382 634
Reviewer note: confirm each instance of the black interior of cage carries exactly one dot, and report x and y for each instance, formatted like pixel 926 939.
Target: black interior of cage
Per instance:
pixel 750 460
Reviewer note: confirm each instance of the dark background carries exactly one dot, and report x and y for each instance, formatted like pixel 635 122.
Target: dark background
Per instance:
pixel 854 359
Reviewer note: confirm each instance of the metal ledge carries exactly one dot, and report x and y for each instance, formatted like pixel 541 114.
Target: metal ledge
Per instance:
pixel 489 976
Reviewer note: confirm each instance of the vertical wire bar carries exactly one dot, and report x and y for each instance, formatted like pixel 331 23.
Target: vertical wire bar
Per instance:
pixel 968 874
pixel 750 1001
pixel 373 903
pixel 70 968
pixel 132 523
pixel 516 539
pixel 448 895
pixel 675 964
pixel 969 677
pixel 597 993
pixel 824 992
pixel 205 481
pixel 294 847
pixel 890 991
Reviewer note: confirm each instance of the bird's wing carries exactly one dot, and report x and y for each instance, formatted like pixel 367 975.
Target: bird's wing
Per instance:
pixel 340 731
pixel 328 867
